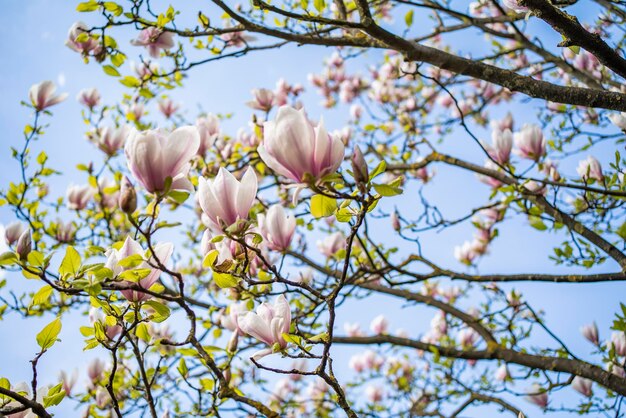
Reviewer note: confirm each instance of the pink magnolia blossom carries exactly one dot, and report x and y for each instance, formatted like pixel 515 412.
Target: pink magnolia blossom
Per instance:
pixel 154 40
pixel 68 381
pixel 618 340
pixel 465 253
pixel 537 395
pixel 589 169
pixel 277 228
pixel 331 244
pixel 162 253
pixel 294 148
pixel 42 95
pixel 503 124
pixel 353 329
pixel 230 319
pixel 502 373
pixel 268 324
pixel 209 129
pixel 24 244
pixel 263 100
pixel 13 231
pixel 530 143
pixel 85 46
pixel 225 200
pixel 79 196
pixel 515 6
pixel 374 394
pixel 582 386
pixel 379 325
pixel 89 97
pixel 153 157
pixel 167 107
pixel 127 197
pixel 501 144
pixel 111 139
pixel 619 120
pixel 467 337
pixel 590 332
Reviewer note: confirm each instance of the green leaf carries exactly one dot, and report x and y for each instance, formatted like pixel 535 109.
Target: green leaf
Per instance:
pixel 48 335
pixel 42 296
pixel 387 190
pixel 408 18
pixel 8 258
pixel 71 262
pixel 322 206
pixel 319 5
pixel 54 396
pixel 87 6
pixel 118 59
pixel 130 81
pixel 111 70
pixel 182 368
pixel 537 223
pixel 291 338
pixel 225 280
pixel 380 168
pixel 344 215
pixel 142 332
pixel 113 7
pixel 161 311
pixel 210 258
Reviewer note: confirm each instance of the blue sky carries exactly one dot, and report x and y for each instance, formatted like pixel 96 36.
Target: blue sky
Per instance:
pixel 32 35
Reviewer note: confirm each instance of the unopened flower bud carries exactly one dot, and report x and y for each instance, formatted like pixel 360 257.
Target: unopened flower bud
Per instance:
pixel 128 197
pixel 24 245
pixel 359 166
pixel 395 222
pixel 232 343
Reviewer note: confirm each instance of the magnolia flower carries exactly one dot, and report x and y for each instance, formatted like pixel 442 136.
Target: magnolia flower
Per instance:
pixel 294 148
pixel 110 139
pixel 467 337
pixel 79 196
pixel 332 244
pixel 374 394
pixel 501 144
pixel 590 332
pixel 162 253
pixel 582 386
pixel 127 199
pixel 89 97
pixel 209 129
pixel 268 324
pixel 530 143
pixel 230 319
pixel 24 244
pixel 589 169
pixel 502 373
pixel 83 47
pixel 168 107
pixel 154 39
pixel 68 381
pixel 503 124
pixel 13 231
pixel 42 95
pixel 224 200
pixel 515 6
pixel 618 340
pixel 263 100
pixel 64 231
pixel 24 389
pixel 619 120
pixel 379 325
pixel 153 157
pixel 277 227
pixel 465 253
pixel 352 329
pixel 537 395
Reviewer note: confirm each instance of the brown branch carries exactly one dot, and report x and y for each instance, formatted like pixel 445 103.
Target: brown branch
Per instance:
pixel 575 34
pixel 554 364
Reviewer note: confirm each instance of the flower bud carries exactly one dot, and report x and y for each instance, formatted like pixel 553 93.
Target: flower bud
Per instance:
pixel 24 245
pixel 232 343
pixel 127 200
pixel 359 166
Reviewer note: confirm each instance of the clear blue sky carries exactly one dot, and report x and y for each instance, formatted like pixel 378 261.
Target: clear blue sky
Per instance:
pixel 32 35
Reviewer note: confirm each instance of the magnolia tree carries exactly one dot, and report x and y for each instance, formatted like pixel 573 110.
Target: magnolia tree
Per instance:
pixel 211 269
